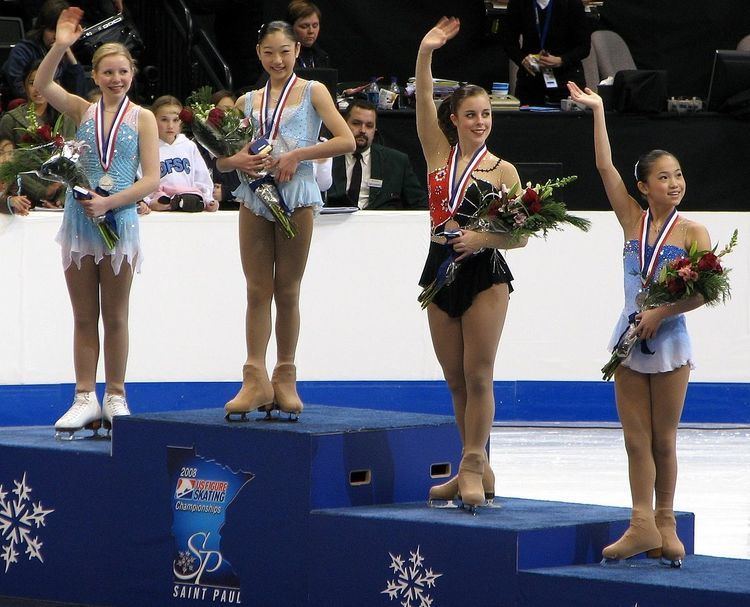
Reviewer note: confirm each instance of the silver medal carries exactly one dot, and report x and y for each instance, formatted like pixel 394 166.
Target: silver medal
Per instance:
pixel 106 182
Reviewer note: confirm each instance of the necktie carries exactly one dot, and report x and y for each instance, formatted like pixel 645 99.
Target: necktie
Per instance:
pixel 356 181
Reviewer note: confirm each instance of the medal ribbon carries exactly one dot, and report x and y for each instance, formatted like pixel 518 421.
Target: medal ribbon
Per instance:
pixel 270 129
pixel 106 147
pixel 456 189
pixel 648 261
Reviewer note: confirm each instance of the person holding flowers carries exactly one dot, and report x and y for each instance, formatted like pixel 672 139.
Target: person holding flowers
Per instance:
pixel 466 317
pixel 286 114
pixel 651 383
pixel 119 136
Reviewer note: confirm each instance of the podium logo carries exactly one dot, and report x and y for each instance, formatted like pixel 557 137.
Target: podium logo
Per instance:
pixel 412 581
pixel 19 518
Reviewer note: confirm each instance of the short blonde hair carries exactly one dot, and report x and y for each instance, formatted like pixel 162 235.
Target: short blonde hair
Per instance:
pixel 111 48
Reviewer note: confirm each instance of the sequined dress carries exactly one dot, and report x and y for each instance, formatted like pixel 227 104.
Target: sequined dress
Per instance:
pixel 671 347
pixel 300 127
pixel 478 272
pixel 78 235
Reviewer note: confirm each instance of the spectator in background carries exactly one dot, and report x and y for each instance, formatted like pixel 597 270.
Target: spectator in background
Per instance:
pixel 185 182
pixel 547 39
pixel 38 41
pixel 374 177
pixel 304 17
pixel 224 183
pixel 14 123
pixel 10 202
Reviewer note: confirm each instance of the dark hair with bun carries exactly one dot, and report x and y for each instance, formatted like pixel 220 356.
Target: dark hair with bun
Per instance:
pixel 646 163
pixel 276 26
pixel 450 106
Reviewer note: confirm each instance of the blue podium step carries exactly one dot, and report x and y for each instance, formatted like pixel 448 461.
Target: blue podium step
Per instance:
pixel 184 506
pixel 372 549
pixel 703 581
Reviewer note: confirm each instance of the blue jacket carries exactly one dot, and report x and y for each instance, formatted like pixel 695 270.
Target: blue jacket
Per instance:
pixel 24 53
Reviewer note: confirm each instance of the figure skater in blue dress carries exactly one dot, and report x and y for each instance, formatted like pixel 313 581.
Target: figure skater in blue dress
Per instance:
pixel 288 111
pixel 650 385
pixel 119 136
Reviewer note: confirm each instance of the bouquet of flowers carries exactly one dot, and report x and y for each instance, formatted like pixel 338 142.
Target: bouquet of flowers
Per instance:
pixel 226 132
pixel 532 212
pixel 697 272
pixel 37 145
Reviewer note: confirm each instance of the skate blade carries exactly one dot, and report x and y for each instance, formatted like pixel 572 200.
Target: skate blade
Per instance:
pixel 441 503
pixel 672 564
pixel 69 434
pixel 269 417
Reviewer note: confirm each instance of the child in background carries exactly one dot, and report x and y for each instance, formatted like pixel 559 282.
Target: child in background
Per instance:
pixel 186 183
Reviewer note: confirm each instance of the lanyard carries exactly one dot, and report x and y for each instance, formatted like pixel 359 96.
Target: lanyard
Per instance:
pixel 547 21
pixel 648 260
pixel 456 188
pixel 270 128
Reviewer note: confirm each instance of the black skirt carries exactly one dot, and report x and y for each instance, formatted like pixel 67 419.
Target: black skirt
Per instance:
pixel 475 274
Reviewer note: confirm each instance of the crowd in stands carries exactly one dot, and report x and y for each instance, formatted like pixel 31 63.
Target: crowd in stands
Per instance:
pixel 383 179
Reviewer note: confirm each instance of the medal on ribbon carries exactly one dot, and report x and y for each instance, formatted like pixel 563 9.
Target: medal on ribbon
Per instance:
pixel 457 186
pixel 270 128
pixel 105 146
pixel 648 260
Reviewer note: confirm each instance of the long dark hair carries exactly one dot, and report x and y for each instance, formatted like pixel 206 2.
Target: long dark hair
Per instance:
pixel 46 19
pixel 450 106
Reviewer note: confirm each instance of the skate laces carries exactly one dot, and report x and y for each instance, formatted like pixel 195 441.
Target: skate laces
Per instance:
pixel 81 401
pixel 116 404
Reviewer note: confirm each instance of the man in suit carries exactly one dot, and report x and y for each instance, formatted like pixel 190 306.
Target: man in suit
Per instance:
pixel 374 177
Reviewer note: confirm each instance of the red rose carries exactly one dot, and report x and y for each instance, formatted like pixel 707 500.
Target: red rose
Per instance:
pixel 215 116
pixel 709 262
pixel 45 132
pixel 676 286
pixel 531 199
pixel 27 138
pixel 186 115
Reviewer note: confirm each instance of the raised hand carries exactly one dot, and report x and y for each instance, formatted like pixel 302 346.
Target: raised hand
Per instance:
pixel 69 26
pixel 444 30
pixel 586 97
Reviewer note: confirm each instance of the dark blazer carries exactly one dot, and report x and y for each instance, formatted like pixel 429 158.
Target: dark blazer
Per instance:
pixel 400 190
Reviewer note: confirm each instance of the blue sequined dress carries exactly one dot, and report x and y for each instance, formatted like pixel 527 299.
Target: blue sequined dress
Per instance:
pixel 671 346
pixel 78 235
pixel 300 127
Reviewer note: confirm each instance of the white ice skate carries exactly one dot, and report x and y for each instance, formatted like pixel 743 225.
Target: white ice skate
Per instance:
pixel 114 404
pixel 85 413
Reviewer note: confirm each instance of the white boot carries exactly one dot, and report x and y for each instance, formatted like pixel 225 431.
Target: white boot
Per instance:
pixel 85 412
pixel 114 404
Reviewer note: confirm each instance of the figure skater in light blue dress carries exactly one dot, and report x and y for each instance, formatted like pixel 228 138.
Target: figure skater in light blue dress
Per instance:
pixel 287 111
pixel 119 136
pixel 650 385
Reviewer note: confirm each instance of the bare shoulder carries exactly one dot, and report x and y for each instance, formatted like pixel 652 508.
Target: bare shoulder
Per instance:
pixel 499 172
pixel 695 232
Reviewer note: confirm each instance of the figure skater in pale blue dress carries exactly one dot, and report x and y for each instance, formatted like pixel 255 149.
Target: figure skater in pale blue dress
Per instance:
pixel 651 383
pixel 274 264
pixel 120 136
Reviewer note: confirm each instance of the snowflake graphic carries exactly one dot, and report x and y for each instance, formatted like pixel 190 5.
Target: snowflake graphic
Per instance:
pixel 412 580
pixel 18 518
pixel 185 562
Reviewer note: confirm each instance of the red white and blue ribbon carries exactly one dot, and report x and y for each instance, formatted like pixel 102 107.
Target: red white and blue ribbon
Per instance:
pixel 457 187
pixel 648 260
pixel 270 128
pixel 106 145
